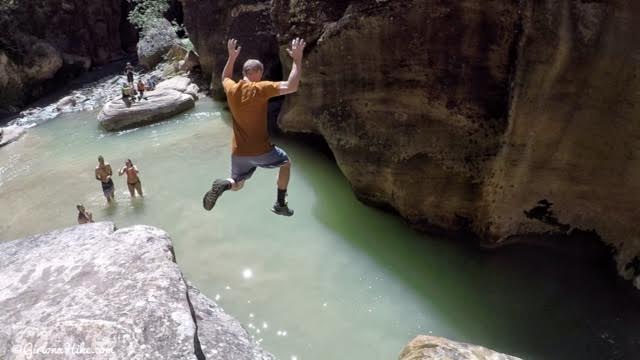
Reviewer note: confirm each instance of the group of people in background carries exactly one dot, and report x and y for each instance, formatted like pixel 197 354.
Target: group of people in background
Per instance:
pixel 103 173
pixel 129 90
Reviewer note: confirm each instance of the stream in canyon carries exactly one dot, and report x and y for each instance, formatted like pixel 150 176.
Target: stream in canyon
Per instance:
pixel 338 280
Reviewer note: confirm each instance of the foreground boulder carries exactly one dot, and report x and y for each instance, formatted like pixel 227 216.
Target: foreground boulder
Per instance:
pixel 435 348
pixel 108 294
pixel 170 97
pixel 10 134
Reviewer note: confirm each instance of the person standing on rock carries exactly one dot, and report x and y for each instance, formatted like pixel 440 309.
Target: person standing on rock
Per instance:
pixel 129 71
pixel 84 216
pixel 251 146
pixel 141 89
pixel 133 181
pixel 103 174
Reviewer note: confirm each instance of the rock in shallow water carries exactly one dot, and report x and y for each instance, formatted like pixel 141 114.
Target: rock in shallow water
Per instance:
pixel 10 134
pixel 94 293
pixel 435 348
pixel 168 99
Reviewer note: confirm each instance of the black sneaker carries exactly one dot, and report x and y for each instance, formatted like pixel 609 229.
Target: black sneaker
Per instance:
pixel 217 188
pixel 281 210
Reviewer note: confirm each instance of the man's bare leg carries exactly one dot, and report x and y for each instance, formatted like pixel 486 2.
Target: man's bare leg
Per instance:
pixel 283 176
pixel 236 186
pixel 280 207
pixel 132 190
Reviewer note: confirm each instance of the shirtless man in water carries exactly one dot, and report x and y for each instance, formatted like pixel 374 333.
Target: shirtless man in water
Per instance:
pixel 103 174
pixel 133 181
pixel 252 147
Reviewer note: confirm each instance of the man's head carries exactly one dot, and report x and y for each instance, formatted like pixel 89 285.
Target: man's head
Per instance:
pixel 100 160
pixel 80 207
pixel 252 70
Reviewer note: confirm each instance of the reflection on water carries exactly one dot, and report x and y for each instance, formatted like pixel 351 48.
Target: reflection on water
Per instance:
pixel 336 281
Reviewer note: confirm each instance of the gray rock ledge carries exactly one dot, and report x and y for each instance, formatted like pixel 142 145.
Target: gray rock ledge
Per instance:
pixel 91 292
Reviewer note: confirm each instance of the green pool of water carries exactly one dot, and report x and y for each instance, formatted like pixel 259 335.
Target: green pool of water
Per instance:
pixel 338 280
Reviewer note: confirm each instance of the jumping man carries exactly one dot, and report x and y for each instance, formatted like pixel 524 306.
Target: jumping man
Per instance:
pixel 251 146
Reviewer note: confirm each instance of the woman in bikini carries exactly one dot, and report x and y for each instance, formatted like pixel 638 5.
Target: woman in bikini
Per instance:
pixel 133 181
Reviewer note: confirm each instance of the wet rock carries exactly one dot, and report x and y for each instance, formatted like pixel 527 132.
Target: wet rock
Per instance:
pixel 10 134
pixel 65 102
pixel 192 90
pixel 169 98
pixel 436 348
pixel 155 43
pixel 117 294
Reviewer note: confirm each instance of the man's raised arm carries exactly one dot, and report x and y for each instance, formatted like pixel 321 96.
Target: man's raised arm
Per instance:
pixel 296 51
pixel 234 50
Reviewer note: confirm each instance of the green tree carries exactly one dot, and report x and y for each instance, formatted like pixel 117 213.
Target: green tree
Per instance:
pixel 7 4
pixel 145 12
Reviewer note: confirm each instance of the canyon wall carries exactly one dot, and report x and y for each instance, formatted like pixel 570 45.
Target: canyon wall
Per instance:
pixel 58 38
pixel 500 119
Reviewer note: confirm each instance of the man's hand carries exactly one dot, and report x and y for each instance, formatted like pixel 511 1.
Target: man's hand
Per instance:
pixel 233 48
pixel 296 50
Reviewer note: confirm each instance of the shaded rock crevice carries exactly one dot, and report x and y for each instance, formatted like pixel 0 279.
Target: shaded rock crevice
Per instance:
pixel 197 349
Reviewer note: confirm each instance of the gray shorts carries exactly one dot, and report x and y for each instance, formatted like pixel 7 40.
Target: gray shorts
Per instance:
pixel 242 167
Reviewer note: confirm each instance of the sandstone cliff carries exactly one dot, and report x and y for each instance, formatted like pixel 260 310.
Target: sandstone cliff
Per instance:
pixel 58 38
pixel 90 292
pixel 502 119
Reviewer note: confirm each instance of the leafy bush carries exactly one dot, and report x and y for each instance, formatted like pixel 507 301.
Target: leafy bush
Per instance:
pixel 145 13
pixel 7 4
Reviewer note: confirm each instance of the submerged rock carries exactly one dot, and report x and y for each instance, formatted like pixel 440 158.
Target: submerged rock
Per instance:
pixel 169 98
pixel 10 134
pixel 436 348
pixel 116 294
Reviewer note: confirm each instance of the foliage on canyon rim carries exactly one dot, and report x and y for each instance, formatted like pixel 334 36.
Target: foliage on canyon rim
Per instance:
pixel 146 12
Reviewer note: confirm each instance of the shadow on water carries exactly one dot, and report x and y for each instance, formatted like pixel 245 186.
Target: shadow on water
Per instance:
pixel 524 300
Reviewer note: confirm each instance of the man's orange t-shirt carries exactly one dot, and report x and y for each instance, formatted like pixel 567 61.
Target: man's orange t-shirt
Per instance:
pixel 248 103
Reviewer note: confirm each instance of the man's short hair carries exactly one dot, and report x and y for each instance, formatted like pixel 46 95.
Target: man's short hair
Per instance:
pixel 252 65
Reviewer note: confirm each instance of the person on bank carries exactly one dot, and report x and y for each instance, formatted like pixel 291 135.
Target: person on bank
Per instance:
pixel 127 96
pixel 84 215
pixel 251 146
pixel 141 89
pixel 133 180
pixel 103 174
pixel 129 72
